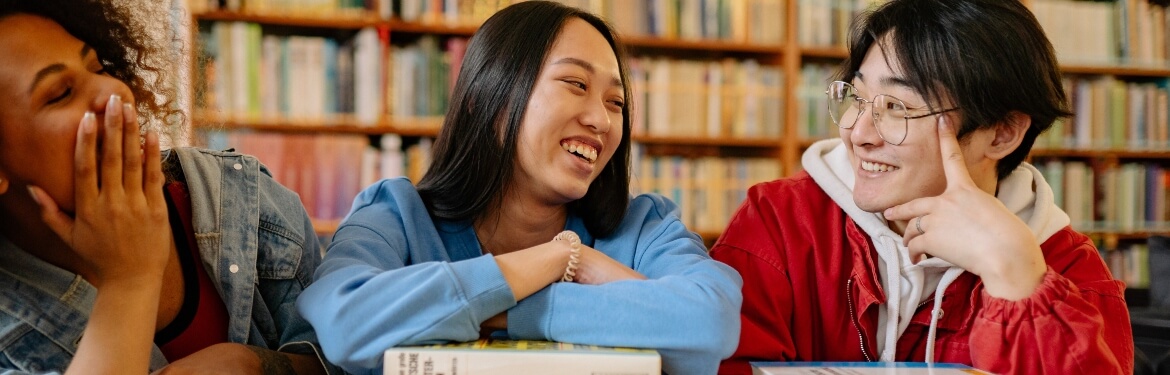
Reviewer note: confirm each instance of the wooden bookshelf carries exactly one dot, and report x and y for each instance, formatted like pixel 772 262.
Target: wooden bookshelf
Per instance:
pixel 788 54
pixel 430 128
pixel 426 127
pixel 1118 70
pixel 1103 153
pixel 334 21
pixel 824 52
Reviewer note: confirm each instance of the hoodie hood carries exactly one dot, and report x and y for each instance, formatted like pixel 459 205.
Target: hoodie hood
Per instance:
pixel 907 285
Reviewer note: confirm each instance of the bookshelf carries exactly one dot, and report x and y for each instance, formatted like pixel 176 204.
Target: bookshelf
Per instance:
pixel 806 45
pixel 220 119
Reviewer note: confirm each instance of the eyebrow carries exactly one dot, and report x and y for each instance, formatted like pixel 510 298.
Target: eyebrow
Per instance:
pixel 56 68
pixel 889 81
pixel 588 67
pixel 893 81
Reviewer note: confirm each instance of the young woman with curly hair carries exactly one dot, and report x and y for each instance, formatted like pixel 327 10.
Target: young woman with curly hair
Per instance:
pixel 116 257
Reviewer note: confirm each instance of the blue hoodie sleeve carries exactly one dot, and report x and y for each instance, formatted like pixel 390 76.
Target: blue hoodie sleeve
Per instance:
pixel 687 309
pixel 387 281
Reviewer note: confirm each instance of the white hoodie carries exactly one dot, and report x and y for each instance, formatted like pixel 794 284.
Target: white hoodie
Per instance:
pixel 907 285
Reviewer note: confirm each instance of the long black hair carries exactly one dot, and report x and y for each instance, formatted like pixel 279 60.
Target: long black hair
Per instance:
pixel 990 57
pixel 475 153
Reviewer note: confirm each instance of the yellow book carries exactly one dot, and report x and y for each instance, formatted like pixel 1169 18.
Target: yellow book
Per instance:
pixel 490 357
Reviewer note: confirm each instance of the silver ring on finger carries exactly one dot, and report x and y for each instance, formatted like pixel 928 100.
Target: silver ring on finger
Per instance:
pixel 918 224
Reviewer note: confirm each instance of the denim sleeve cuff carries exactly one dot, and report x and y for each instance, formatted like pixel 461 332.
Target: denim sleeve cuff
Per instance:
pixel 484 286
pixel 531 319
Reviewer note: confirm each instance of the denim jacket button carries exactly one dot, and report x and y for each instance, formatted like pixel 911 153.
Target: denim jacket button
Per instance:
pixel 238 166
pixel 234 268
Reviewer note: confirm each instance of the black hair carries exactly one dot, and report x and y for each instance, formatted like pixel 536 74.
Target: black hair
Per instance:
pixel 130 49
pixel 475 152
pixel 990 57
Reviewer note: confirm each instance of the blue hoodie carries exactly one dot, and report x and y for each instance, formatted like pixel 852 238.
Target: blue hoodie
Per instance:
pixel 395 277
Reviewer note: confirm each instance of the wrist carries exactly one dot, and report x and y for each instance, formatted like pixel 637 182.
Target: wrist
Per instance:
pixel 1015 281
pixel 128 282
pixel 573 242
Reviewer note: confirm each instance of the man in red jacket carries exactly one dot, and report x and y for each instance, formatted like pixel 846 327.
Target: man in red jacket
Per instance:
pixel 920 235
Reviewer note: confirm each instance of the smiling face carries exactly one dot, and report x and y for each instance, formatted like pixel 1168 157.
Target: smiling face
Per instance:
pixel 888 175
pixel 48 80
pixel 573 123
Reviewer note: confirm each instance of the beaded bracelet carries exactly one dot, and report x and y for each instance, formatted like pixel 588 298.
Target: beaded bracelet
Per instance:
pixel 574 253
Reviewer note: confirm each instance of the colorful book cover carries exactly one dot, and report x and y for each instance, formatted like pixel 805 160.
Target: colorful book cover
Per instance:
pixel 489 357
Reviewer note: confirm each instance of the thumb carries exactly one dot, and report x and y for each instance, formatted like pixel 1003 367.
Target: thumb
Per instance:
pixel 59 222
pixel 954 165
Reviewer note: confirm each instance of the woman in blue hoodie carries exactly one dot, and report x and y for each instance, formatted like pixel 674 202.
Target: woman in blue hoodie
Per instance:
pixel 524 225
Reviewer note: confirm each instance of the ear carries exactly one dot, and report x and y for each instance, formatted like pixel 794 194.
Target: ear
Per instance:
pixel 3 184
pixel 1008 135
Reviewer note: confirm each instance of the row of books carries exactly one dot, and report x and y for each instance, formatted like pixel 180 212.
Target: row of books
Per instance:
pixel 826 22
pixel 1128 197
pixel 745 21
pixel 707 190
pixel 328 171
pixel 251 75
pixel 813 120
pixel 691 98
pixel 1112 114
pixel 1129 263
pixel 423 74
pixel 1131 32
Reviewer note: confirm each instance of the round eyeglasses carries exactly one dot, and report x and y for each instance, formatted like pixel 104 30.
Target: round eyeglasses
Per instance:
pixel 891 118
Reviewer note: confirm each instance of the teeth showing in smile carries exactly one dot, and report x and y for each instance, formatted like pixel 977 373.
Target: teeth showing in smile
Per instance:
pixel 582 150
pixel 877 167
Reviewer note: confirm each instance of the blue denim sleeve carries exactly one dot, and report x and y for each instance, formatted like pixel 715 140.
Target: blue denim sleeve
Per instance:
pixel 687 309
pixel 289 252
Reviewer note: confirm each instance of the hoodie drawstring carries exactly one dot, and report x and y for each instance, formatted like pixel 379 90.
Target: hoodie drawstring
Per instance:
pixel 936 311
pixel 893 306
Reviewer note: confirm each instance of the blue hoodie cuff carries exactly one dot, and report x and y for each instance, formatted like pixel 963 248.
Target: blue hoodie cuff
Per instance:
pixel 531 319
pixel 484 286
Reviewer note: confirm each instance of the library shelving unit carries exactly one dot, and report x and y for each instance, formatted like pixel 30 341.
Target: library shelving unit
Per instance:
pixel 809 47
pixel 768 143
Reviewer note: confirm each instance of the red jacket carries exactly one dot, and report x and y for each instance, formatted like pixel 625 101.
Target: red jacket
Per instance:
pixel 811 293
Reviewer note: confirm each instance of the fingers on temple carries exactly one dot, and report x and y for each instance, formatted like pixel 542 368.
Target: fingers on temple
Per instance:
pixel 954 164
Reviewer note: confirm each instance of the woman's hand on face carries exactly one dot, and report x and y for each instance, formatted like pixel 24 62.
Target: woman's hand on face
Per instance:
pixel 972 229
pixel 120 227
pixel 596 268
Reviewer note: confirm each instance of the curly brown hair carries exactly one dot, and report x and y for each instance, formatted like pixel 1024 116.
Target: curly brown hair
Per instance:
pixel 136 44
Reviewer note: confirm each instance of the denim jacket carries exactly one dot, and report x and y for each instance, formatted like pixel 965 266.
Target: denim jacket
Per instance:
pixel 255 240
